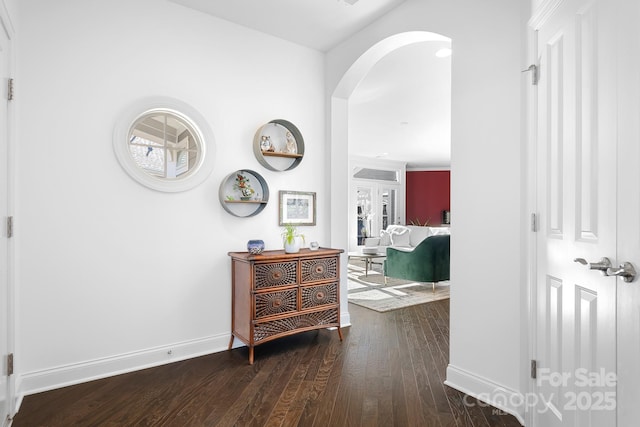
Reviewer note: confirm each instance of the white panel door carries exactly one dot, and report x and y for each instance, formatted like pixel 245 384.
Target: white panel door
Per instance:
pixel 5 389
pixel 576 199
pixel 628 25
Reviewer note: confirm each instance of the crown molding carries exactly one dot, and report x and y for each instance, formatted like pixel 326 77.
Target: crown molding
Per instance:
pixel 543 13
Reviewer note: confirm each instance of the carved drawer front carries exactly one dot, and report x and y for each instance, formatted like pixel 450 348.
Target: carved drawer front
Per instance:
pixel 315 296
pixel 265 330
pixel 276 274
pixel 270 303
pixel 314 270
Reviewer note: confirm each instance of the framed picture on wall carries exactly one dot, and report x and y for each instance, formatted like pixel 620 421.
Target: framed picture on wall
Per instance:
pixel 297 207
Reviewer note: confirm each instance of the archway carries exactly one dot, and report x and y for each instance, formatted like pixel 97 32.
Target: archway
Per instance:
pixel 339 130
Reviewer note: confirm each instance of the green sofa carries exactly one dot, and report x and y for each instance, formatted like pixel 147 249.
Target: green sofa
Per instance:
pixel 427 262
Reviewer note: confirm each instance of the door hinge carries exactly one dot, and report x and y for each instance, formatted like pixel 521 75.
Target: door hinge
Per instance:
pixel 534 369
pixel 534 74
pixel 9 226
pixel 10 90
pixel 534 222
pixel 9 364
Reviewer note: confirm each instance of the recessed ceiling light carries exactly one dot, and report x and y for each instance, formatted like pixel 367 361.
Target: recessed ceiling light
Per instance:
pixel 444 52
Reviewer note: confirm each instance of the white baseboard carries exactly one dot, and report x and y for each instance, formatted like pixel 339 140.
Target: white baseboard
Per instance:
pixel 62 376
pixel 345 320
pixel 487 391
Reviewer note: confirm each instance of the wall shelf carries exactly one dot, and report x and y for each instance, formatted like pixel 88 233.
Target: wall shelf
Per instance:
pixel 244 208
pixel 246 201
pixel 278 145
pixel 292 156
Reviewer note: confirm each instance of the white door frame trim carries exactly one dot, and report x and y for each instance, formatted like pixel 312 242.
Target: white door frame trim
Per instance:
pixel 529 296
pixel 7 26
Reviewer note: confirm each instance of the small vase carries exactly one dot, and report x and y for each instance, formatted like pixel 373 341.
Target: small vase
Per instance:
pixel 292 248
pixel 255 247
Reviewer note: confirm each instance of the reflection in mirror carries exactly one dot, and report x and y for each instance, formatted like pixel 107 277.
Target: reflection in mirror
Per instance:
pixel 164 145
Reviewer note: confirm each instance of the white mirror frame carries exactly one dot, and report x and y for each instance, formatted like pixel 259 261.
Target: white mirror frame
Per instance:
pixel 199 173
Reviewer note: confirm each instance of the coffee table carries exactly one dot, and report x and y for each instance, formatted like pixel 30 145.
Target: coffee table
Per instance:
pixel 368 258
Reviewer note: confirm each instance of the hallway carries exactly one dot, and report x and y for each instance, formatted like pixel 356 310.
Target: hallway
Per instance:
pixel 388 371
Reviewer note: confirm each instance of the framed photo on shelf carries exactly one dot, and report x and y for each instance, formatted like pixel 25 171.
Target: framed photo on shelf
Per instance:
pixel 297 207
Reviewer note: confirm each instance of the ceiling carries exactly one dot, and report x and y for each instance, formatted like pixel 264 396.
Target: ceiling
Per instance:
pixel 318 24
pixel 401 109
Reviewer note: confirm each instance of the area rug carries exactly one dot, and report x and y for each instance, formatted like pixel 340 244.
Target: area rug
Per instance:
pixel 370 291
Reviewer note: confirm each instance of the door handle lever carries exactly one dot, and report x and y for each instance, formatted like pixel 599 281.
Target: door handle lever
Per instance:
pixel 626 272
pixel 602 266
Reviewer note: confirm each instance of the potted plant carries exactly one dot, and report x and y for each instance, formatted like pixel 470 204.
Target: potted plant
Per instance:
pixel 291 238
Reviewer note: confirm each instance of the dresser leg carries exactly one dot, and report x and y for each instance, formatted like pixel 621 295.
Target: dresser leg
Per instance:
pixel 250 355
pixel 340 333
pixel 231 342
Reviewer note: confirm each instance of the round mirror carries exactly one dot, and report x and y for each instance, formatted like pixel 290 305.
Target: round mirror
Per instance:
pixel 164 144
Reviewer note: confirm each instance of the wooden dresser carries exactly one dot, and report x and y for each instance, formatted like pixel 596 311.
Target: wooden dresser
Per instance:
pixel 276 294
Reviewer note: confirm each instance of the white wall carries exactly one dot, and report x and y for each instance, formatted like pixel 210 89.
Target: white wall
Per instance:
pixel 486 244
pixel 112 275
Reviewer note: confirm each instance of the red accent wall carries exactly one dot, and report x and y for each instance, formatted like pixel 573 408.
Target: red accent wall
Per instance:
pixel 428 194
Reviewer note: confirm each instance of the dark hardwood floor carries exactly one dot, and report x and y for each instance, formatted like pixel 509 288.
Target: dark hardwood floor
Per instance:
pixel 388 371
